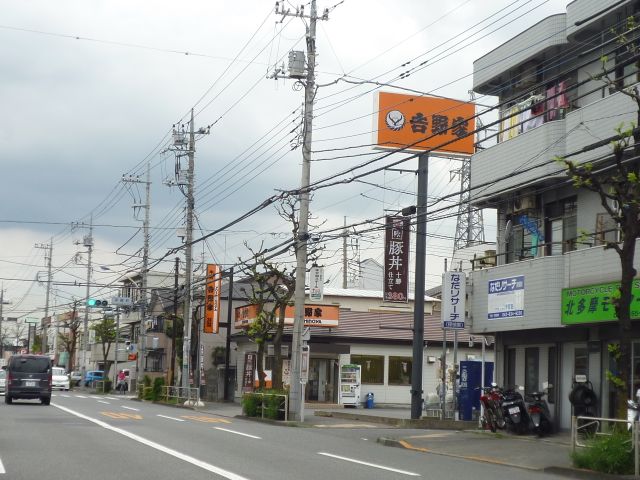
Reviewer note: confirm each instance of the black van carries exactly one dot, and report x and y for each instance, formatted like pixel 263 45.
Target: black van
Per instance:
pixel 28 376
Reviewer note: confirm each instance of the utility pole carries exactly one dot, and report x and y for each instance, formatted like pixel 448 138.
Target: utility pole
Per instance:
pixel 344 254
pixel 296 397
pixel 186 342
pixel 227 350
pixel 1 318
pixel 88 242
pixel 175 322
pixel 145 266
pixel 47 257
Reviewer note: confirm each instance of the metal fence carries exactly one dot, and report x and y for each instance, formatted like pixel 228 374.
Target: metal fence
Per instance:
pixel 585 429
pixel 175 395
pixel 283 404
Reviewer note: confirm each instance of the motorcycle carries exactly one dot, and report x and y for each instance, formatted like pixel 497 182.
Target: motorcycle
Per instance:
pixel 538 411
pixel 515 411
pixel 492 417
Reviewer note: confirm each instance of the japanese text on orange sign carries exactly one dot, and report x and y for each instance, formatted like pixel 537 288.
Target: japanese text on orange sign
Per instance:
pixel 212 299
pixel 424 123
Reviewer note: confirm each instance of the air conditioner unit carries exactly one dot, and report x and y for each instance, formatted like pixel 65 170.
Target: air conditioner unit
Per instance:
pixel 524 203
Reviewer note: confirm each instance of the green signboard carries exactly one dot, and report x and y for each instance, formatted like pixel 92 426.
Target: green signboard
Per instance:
pixel 594 303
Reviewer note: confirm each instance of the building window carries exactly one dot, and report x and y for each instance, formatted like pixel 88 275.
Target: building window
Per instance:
pixel 371 368
pixel 580 362
pixel 561 228
pixel 154 361
pixel 400 370
pixel 531 370
pixel 552 374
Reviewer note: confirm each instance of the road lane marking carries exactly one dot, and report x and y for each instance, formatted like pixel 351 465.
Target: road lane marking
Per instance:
pixel 122 415
pixel 80 396
pixel 102 401
pixel 131 408
pixel 346 425
pixel 172 418
pixel 374 465
pixel 237 433
pixel 194 461
pixel 2 470
pixel 205 419
pixel 112 398
pixel 66 396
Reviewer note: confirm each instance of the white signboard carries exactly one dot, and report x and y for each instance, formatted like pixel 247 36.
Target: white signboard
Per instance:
pixel 316 289
pixel 304 364
pixel 453 300
pixel 506 298
pixel 121 301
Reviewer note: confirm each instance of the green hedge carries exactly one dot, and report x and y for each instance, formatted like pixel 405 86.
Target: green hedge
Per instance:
pixel 270 405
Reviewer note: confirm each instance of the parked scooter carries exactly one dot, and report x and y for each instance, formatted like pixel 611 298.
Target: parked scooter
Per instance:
pixel 515 410
pixel 538 411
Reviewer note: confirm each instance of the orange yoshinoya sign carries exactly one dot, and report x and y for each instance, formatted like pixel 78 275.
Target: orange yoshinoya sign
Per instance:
pixel 420 123
pixel 314 315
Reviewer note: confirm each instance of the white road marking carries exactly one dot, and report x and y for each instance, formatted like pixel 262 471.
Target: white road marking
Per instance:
pixel 181 456
pixel 66 396
pixel 172 418
pixel 111 398
pixel 131 408
pixel 80 396
pixel 2 470
pixel 102 401
pixel 382 467
pixel 237 433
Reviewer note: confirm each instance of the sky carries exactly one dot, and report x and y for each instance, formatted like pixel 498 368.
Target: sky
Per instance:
pixel 91 91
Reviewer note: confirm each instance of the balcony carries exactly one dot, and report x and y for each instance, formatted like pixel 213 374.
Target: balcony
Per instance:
pixel 535 147
pixel 492 70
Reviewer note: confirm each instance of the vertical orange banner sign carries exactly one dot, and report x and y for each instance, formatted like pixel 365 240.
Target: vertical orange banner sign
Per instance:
pixel 212 299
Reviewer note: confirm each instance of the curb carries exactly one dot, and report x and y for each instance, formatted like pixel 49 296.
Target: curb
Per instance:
pixel 429 423
pixel 583 474
pixel 391 442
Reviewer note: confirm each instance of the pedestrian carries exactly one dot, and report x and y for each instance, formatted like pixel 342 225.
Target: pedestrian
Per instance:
pixel 122 382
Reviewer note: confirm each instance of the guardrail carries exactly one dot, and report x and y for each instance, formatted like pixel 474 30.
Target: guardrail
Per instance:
pixel 175 395
pixel 585 428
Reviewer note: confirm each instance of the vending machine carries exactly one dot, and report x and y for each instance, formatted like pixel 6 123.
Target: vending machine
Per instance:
pixel 350 385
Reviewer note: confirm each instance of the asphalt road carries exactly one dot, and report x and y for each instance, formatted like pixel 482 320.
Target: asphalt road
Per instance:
pixel 82 436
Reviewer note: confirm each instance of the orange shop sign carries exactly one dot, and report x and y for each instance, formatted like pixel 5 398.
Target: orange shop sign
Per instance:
pixel 314 315
pixel 420 123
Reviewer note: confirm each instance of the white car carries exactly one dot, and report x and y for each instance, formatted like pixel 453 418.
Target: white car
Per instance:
pixel 59 379
pixel 3 381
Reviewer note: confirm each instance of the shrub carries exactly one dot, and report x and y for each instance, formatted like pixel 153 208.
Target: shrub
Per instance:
pixel 251 404
pixel 607 454
pixel 146 388
pixel 156 390
pixel 272 405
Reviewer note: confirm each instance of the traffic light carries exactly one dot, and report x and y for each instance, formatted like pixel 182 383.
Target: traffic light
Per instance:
pixel 95 303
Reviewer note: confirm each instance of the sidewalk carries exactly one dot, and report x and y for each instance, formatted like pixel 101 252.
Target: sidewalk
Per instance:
pixel 461 440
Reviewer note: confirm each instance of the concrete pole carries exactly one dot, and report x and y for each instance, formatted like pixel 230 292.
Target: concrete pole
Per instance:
pixel 420 271
pixel 88 242
pixel 186 345
pixel 296 396
pixel 145 268
pixel 45 336
pixel 344 255
pixel 115 367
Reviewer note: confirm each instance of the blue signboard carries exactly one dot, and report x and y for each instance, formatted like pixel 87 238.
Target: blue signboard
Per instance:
pixel 506 298
pixel 470 380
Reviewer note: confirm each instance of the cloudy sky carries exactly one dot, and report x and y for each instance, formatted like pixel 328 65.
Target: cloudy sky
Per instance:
pixel 91 90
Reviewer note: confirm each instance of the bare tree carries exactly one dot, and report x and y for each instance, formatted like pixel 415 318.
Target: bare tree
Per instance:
pixel 105 335
pixel 68 337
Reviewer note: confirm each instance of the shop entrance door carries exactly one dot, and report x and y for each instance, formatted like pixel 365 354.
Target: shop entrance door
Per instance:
pixel 320 386
pixel 575 361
